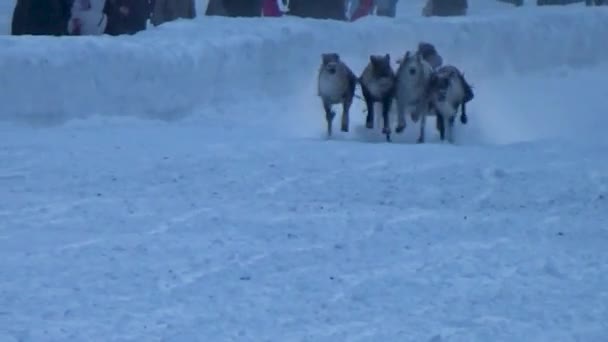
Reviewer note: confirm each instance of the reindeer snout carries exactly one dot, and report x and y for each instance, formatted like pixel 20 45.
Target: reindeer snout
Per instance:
pixel 412 71
pixel 331 68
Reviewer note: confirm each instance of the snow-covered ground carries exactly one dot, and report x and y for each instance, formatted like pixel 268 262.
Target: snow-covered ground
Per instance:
pixel 177 186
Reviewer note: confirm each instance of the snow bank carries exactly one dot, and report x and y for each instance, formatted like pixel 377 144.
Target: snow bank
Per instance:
pixel 210 63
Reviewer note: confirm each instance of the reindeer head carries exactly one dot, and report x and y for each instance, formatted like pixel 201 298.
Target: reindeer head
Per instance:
pixel 381 65
pixel 428 53
pixel 411 65
pixel 439 85
pixel 330 62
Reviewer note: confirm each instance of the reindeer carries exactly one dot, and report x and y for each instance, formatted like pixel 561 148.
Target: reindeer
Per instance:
pixel 412 91
pixel 336 84
pixel 449 90
pixel 378 85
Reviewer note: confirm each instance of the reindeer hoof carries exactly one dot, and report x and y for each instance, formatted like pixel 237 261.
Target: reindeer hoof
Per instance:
pixel 369 124
pixel 464 119
pixel 344 128
pixel 420 141
pixel 400 128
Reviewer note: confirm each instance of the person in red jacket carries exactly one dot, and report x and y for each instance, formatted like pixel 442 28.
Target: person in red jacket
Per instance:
pixel 270 8
pixel 365 8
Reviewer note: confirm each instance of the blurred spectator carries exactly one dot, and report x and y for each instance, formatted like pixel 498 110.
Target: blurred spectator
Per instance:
pixel 386 8
pixel 126 16
pixel 216 7
pixel 243 8
pixel 234 8
pixel 445 8
pixel 270 8
pixel 513 2
pixel 555 2
pixel 87 18
pixel 36 17
pixel 361 8
pixel 169 10
pixel 319 9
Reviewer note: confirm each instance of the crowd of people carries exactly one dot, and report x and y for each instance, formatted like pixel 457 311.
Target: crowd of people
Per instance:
pixel 80 17
pixel 117 17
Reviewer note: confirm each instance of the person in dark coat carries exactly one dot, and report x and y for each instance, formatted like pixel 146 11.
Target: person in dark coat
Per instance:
pixel 235 8
pixel 445 8
pixel 168 10
pixel 216 7
pixel 318 9
pixel 243 8
pixel 126 16
pixel 35 17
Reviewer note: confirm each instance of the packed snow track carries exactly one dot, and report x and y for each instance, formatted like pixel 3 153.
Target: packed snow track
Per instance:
pixel 177 186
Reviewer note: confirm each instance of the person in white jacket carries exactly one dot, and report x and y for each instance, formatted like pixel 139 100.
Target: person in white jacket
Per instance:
pixel 87 18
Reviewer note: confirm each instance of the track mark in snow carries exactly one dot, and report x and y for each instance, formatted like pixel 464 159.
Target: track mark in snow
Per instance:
pixel 416 214
pixel 273 188
pixel 184 217
pixel 600 182
pixel 490 176
pixel 12 177
pixel 188 277
pixel 335 173
pixel 80 244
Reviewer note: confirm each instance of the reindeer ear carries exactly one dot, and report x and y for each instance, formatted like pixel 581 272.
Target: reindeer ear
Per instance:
pixel 324 58
pixel 387 58
pixel 407 56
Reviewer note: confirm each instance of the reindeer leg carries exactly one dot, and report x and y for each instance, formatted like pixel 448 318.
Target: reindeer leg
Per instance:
pixel 369 103
pixel 400 116
pixel 386 107
pixel 369 121
pixel 440 126
pixel 463 116
pixel 347 102
pixel 422 124
pixel 450 128
pixel 329 116
pixel 345 113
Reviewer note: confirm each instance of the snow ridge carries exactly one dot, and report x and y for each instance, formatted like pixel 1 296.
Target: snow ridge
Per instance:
pixel 209 63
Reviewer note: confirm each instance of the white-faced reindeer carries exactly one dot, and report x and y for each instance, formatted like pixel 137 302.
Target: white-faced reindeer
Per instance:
pixel 449 91
pixel 336 84
pixel 412 91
